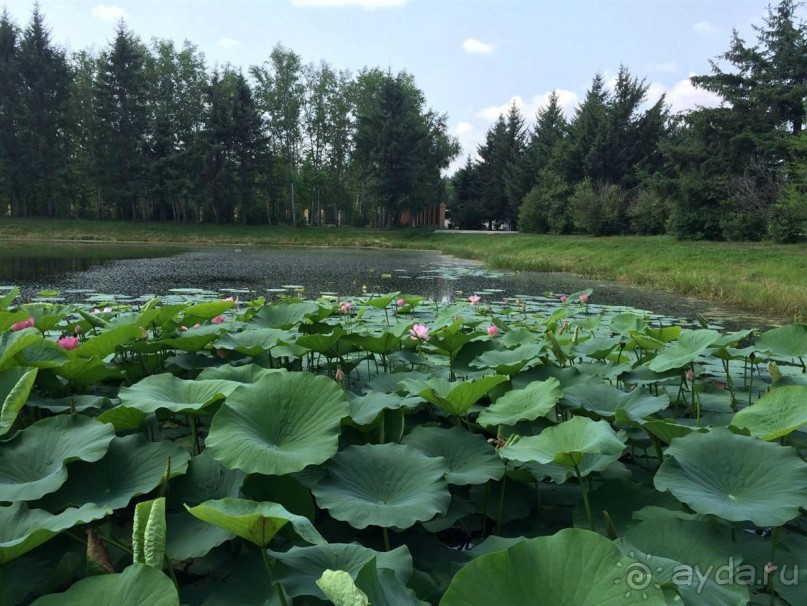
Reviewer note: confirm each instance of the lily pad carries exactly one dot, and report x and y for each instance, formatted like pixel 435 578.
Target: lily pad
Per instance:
pixel 172 393
pixel 737 478
pixel 388 485
pixel 789 341
pixel 534 401
pixel 454 398
pixel 687 349
pixel 611 403
pixel 279 424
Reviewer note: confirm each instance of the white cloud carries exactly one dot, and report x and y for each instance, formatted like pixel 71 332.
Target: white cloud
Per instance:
pixel 685 96
pixel 227 43
pixel 365 4
pixel 704 27
pixel 472 46
pixel 669 66
pixel 567 99
pixel 109 12
pixel 463 128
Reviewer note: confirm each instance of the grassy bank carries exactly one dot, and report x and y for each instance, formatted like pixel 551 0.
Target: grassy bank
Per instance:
pixel 760 277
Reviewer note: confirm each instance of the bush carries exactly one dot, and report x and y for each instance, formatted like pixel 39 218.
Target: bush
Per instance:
pixel 742 226
pixel 648 214
pixel 601 211
pixel 694 223
pixel 787 221
pixel 545 208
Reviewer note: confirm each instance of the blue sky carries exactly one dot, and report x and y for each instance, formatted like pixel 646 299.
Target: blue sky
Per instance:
pixel 472 58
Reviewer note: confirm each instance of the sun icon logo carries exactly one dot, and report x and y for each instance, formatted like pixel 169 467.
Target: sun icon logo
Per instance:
pixel 638 576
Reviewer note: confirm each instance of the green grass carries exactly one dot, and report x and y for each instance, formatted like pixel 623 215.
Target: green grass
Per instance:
pixel 760 277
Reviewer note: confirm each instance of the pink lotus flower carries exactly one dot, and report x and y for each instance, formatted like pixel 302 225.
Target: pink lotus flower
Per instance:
pixel 29 323
pixel 419 332
pixel 563 298
pixel 106 310
pixel 340 375
pixel 68 343
pixel 493 331
pixel 400 302
pixel 183 327
pixel 346 307
pixel 219 320
pixel 474 299
pixel 690 375
pixel 584 298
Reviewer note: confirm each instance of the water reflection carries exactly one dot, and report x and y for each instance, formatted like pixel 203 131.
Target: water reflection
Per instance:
pixel 135 270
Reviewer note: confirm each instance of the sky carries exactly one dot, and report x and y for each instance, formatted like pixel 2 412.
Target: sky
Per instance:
pixel 471 58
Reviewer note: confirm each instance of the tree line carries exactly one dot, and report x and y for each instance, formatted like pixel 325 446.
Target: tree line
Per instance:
pixel 623 166
pixel 150 132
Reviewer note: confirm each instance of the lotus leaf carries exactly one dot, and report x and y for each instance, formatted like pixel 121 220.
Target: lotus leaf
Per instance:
pixel 174 394
pixel 15 385
pixel 28 471
pixel 571 568
pixel 737 478
pixel 454 398
pixel 279 424
pixel 339 588
pixel 132 466
pixel 470 459
pixel 676 550
pixel 579 442
pixel 258 523
pixel 137 585
pixel 22 529
pixel 778 413
pixel 299 568
pixel 689 347
pixel 509 361
pixel 388 485
pixel 535 400
pixel 609 402
pixel 364 409
pixel 788 341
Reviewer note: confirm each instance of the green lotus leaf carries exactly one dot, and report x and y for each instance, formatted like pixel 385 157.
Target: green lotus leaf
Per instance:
pixel 645 342
pixel 609 402
pixel 667 430
pixel 285 315
pixel 737 478
pixel 382 343
pixel 15 385
pixel 105 343
pixel 387 485
pixel 123 418
pixel 690 345
pixel 7 299
pixel 509 361
pixel 778 413
pixel 324 343
pixel 172 393
pixel 33 462
pixel 571 568
pixel 78 403
pixel 340 590
pixel 528 404
pixel 788 341
pixel 132 466
pixel 364 409
pixel 23 529
pixel 470 459
pixel 382 586
pixel 597 347
pixel 12 343
pixel 254 341
pixel 676 550
pixel 202 312
pixel 279 424
pixel 299 568
pixel 454 398
pixel 42 354
pixel 249 373
pixel 191 340
pixel 579 442
pixel 137 585
pixel 87 371
pixel 258 523
pixel 625 322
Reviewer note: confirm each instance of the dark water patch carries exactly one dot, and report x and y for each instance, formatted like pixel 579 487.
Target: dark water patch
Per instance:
pixel 134 273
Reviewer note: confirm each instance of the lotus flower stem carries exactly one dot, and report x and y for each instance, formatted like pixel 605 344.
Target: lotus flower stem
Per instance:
pixel 501 506
pixel 385 532
pixel 772 562
pixel 586 502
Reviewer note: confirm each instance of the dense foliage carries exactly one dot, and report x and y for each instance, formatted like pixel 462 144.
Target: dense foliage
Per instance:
pixel 621 166
pixel 385 449
pixel 151 133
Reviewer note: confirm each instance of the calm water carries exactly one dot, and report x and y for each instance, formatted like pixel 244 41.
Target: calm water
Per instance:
pixel 78 270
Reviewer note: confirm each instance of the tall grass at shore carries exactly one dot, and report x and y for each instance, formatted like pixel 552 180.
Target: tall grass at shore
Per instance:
pixel 759 277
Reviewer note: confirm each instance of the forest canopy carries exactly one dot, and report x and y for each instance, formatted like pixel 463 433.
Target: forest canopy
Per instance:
pixel 142 131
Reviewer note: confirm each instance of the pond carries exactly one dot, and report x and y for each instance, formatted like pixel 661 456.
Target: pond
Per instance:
pixel 130 273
